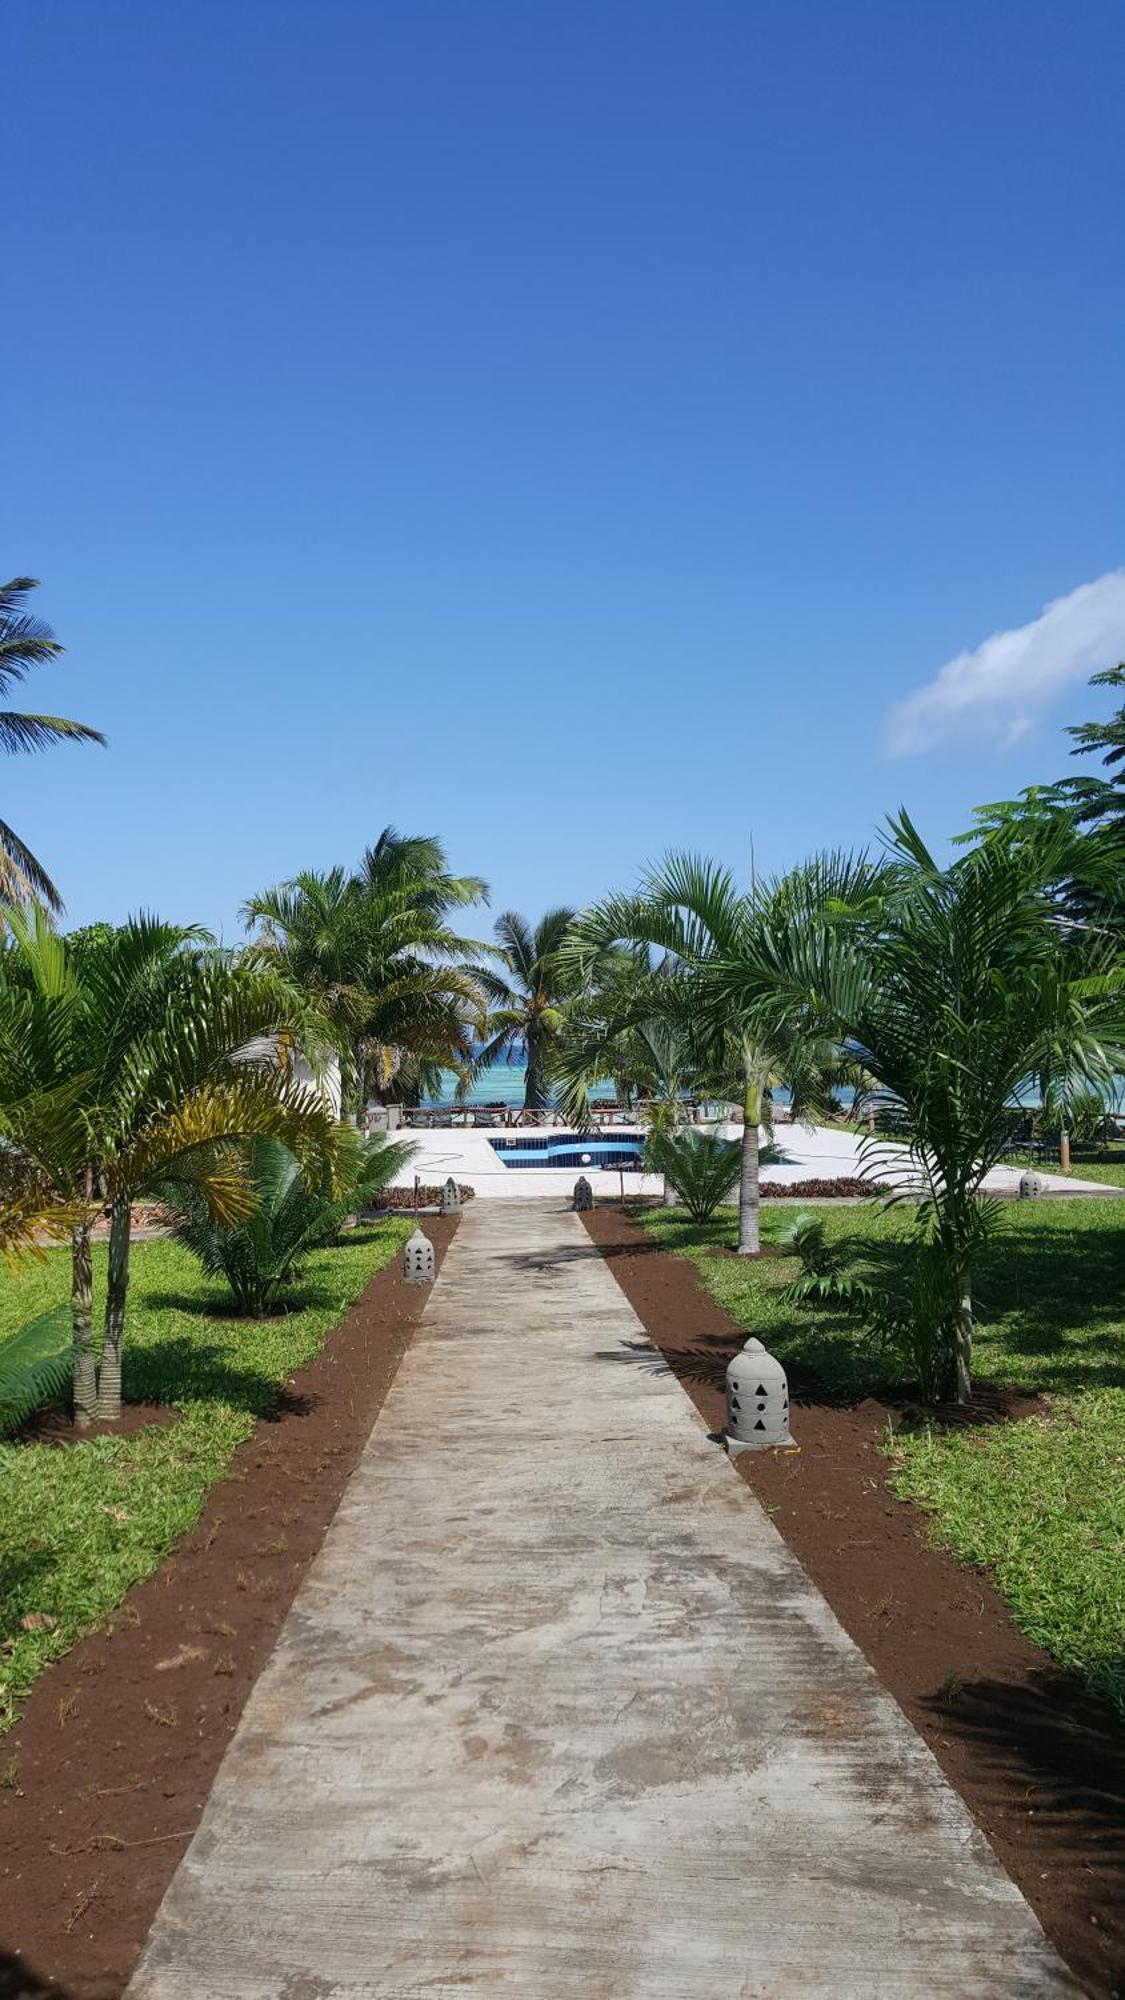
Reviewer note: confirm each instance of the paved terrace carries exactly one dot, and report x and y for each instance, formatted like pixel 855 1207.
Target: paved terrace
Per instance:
pixel 821 1152
pixel 557 1715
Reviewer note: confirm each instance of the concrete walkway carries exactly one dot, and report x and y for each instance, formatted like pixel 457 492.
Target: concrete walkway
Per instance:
pixel 556 1714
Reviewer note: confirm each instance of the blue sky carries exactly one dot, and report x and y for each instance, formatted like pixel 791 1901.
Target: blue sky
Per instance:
pixel 572 426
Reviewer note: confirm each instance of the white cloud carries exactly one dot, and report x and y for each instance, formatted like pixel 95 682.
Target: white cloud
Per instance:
pixel 1001 687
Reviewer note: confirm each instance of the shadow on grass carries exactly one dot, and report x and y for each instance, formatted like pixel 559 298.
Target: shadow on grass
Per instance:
pixel 1050 1294
pixel 17 1574
pixel 298 1298
pixel 185 1370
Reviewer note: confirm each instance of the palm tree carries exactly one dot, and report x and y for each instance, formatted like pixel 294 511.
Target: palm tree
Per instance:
pixel 691 911
pixel 417 862
pixel 375 951
pixel 123 1065
pixel 25 643
pixel 30 1213
pixel 953 987
pixel 527 997
pixel 635 1026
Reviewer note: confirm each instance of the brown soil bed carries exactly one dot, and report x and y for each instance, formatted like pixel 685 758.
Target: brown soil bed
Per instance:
pixel 1039 1762
pixel 57 1427
pixel 119 1742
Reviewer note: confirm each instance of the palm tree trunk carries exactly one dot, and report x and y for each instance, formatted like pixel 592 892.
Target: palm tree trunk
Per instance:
pixel 534 1097
pixel 963 1357
pixel 109 1376
pixel 81 1318
pixel 749 1237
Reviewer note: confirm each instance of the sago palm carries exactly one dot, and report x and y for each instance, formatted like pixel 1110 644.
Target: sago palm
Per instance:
pixel 122 1065
pixel 293 1213
pixel 26 643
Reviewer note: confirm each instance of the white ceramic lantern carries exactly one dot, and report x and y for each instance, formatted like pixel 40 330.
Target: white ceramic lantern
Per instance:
pixel 583 1193
pixel 451 1198
pixel 418 1260
pixel 757 1401
pixel 1030 1184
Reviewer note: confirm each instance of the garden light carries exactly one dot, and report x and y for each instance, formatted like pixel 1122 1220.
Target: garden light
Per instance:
pixel 757 1401
pixel 418 1260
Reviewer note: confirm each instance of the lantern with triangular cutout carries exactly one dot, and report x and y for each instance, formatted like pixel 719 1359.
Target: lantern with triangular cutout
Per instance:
pixel 757 1401
pixel 418 1259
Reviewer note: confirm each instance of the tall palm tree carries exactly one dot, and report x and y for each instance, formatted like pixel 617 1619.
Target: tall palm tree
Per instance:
pixel 375 950
pixel 25 643
pixel 952 987
pixel 123 1065
pixel 636 1027
pixel 417 862
pixel 693 913
pixel 527 991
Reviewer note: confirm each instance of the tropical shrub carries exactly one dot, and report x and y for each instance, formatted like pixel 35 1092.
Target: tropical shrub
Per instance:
pixel 700 1166
pixel 824 1278
pixel 843 1189
pixel 260 1254
pixel 914 1320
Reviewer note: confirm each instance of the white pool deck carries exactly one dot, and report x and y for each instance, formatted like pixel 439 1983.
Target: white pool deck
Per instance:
pixel 818 1152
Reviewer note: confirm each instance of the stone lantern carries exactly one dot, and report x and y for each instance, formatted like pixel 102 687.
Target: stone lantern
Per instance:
pixel 757 1401
pixel 451 1198
pixel 1030 1184
pixel 418 1260
pixel 583 1193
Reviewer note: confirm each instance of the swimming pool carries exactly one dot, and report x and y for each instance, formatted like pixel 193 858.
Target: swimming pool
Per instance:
pixel 571 1149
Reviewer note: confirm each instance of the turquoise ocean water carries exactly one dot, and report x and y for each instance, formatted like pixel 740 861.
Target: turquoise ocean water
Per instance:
pixel 502 1084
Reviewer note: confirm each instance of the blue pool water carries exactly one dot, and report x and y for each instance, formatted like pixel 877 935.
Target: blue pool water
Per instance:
pixel 570 1149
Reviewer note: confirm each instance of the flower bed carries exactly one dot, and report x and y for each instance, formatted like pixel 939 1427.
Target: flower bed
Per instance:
pixel 426 1197
pixel 821 1190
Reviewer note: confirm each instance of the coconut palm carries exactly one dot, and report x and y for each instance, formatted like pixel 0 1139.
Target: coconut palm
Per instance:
pixel 123 1064
pixel 417 862
pixel 527 989
pixel 375 951
pixel 953 987
pixel 25 643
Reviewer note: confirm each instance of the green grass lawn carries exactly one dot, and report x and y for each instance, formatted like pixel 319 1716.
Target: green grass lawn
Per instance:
pixel 1039 1502
pixel 1088 1162
pixel 79 1526
pixel 1097 1168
